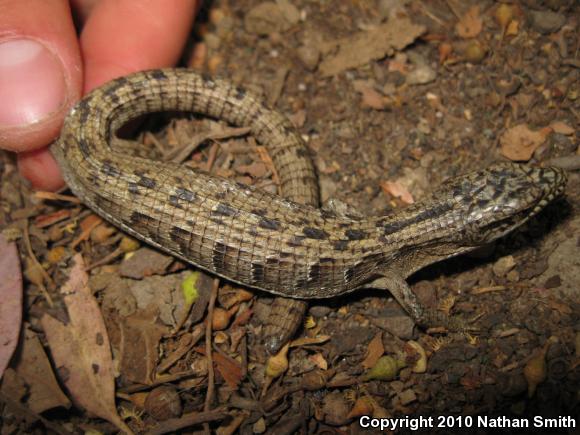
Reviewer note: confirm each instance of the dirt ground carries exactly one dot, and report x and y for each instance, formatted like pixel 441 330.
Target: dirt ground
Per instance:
pixel 392 98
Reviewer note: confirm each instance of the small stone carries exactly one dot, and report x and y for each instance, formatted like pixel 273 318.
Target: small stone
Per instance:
pixel 328 188
pixel 395 77
pixel 319 311
pixel 407 396
pixel 474 52
pixel 388 7
pixel 309 56
pixel 212 41
pixel 513 276
pixel 289 11
pixel 421 75
pixel 259 426
pixel 270 17
pixel 547 21
pixel 503 266
pixel 423 126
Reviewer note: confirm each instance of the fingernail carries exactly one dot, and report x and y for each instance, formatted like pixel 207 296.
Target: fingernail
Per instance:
pixel 32 84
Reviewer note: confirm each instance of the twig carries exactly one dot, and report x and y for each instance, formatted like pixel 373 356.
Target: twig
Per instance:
pixel 494 288
pixel 212 156
pixel 208 351
pixel 174 424
pixel 267 159
pixel 105 260
pixel 52 196
pixel 431 15
pixel 31 417
pixel 37 265
pixel 180 154
pixel 453 9
pixel 194 337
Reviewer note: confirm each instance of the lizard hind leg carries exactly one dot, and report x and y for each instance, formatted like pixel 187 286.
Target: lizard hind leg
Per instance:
pixel 422 316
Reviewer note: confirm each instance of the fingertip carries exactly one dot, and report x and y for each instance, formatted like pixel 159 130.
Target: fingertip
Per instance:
pixel 40 74
pixel 150 34
pixel 40 168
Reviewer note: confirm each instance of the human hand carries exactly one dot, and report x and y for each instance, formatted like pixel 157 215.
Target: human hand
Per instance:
pixel 45 66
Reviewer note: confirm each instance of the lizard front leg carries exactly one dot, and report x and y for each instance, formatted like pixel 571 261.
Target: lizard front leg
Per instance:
pixel 424 317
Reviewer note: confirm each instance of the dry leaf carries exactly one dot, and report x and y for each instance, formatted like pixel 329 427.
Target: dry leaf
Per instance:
pixel 513 28
pixel 370 96
pixel 34 368
pixel 255 169
pixel 504 13
pixel 11 297
pixel 561 307
pixel 471 381
pixel 47 220
pixel 470 24
pixel 445 50
pixel 562 128
pixel 229 368
pixel 81 351
pixel 397 190
pixel 374 43
pixel 305 341
pixel 139 344
pixel 374 351
pixel 519 143
pixel 319 361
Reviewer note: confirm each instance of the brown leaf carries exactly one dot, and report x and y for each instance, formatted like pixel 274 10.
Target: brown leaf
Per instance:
pixel 370 97
pixel 11 297
pixel 34 368
pixel 319 360
pixel 470 24
pixel 471 381
pixel 559 306
pixel 80 348
pixel 374 351
pixel 305 341
pixel 145 262
pixel 229 368
pixel 445 50
pixel 139 346
pixel 562 128
pixel 519 143
pixel 397 190
pixel 513 28
pixel 46 220
pixel 255 169
pixel 374 43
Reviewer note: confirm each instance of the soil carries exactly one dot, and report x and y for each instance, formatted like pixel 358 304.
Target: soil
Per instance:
pixel 387 117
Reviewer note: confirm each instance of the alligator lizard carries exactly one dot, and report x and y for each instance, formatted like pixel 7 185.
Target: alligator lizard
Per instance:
pixel 264 241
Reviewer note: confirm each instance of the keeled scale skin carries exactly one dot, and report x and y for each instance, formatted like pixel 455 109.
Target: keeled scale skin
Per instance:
pixel 260 240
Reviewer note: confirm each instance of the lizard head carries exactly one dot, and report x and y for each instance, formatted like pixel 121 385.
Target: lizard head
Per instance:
pixel 502 197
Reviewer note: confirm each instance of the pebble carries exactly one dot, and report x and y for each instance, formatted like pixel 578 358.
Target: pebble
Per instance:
pixel 388 7
pixel 407 396
pixel 213 41
pixel 504 265
pixel 513 276
pixel 328 188
pixel 547 21
pixel 421 75
pixel 269 17
pixel 309 56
